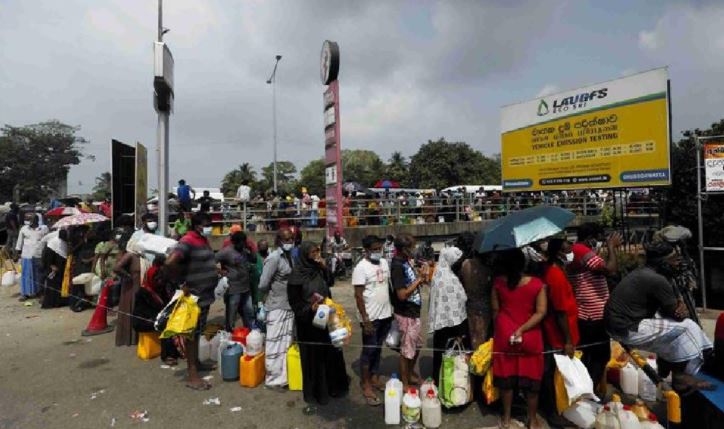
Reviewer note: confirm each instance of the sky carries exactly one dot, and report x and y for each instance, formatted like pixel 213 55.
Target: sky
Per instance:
pixel 411 71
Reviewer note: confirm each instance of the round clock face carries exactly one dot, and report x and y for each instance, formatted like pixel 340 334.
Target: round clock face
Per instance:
pixel 329 62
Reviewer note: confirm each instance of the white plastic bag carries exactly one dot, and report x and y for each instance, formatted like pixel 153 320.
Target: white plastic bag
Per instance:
pixel 583 413
pixel 82 279
pixel 93 287
pixel 8 279
pixel 221 287
pixel 575 375
pixel 393 337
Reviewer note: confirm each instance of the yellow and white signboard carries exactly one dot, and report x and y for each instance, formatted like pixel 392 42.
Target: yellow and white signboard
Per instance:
pixel 714 165
pixel 610 135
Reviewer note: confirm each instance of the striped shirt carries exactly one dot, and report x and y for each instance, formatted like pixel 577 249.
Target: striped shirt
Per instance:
pixel 199 265
pixel 587 274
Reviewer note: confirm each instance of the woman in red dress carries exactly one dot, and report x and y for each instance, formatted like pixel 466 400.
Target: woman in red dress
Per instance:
pixel 519 305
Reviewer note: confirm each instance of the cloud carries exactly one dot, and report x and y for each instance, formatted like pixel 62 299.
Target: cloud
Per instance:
pixel 648 40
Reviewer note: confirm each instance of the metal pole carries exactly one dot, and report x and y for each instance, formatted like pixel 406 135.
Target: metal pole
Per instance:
pixel 160 20
pixel 702 275
pixel 162 149
pixel 274 119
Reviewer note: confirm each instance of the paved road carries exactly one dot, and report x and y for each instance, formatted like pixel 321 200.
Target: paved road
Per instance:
pixel 50 376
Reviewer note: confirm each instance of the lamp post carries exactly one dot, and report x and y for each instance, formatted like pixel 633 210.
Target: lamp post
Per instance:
pixel 272 81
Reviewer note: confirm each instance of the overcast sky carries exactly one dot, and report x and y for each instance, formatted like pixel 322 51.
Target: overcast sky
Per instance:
pixel 410 70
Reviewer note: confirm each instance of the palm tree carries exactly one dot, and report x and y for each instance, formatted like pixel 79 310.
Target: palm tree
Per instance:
pixel 397 168
pixel 244 174
pixel 102 188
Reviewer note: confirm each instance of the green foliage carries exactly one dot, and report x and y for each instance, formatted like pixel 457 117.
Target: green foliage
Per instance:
pixel 681 204
pixel 286 172
pixel 312 177
pixel 362 166
pixel 439 164
pixel 233 179
pixel 36 158
pixel 397 169
pixel 102 188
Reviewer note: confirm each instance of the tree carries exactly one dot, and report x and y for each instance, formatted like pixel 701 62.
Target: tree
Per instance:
pixel 233 179
pixel 362 166
pixel 397 169
pixel 440 164
pixel 102 188
pixel 312 177
pixel 36 158
pixel 286 172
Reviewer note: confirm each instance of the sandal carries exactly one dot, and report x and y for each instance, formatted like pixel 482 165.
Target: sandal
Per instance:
pixel 199 386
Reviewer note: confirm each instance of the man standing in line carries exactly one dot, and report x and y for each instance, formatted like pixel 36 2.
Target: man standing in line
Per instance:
pixel 193 259
pixel 371 291
pixel 588 275
pixel 184 192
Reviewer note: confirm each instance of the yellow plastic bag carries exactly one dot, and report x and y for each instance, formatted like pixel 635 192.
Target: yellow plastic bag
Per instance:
pixel 490 392
pixel 482 358
pixel 183 318
pixel 339 319
pixel 562 402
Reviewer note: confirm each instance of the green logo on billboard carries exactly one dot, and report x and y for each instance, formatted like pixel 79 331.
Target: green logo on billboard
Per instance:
pixel 543 108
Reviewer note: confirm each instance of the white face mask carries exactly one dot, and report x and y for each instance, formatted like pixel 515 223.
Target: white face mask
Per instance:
pixel 26 222
pixel 206 231
pixel 568 258
pixel 118 237
pixel 152 225
pixel 287 246
pixel 375 256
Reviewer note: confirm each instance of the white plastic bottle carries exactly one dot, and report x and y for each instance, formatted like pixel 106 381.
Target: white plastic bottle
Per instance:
pixel 411 406
pixel 647 388
pixel 393 400
pixel 651 423
pixel 628 419
pixel 428 384
pixel 431 410
pixel 204 349
pixel 254 343
pixel 607 420
pixel 629 380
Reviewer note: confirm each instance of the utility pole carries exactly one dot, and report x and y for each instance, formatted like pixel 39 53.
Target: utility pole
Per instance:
pixel 273 82
pixel 163 102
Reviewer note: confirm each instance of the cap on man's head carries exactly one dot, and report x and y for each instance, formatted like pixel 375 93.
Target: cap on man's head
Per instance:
pixel 658 251
pixel 235 228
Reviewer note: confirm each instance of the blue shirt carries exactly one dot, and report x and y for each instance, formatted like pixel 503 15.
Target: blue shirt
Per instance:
pixel 184 193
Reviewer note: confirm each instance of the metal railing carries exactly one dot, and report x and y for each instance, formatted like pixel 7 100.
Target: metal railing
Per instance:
pixel 263 216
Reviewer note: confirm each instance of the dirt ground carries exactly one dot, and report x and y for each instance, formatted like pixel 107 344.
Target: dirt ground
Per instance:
pixel 52 377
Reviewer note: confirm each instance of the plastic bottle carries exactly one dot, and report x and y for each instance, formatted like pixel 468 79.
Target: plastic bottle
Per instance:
pixel 615 405
pixel 215 342
pixel 640 409
pixel 223 343
pixel 254 343
pixel 628 419
pixel 629 380
pixel 647 388
pixel 651 423
pixel 230 362
pixel 607 420
pixel 583 413
pixel 411 406
pixel 393 400
pixel 204 349
pixel 427 385
pixel 431 410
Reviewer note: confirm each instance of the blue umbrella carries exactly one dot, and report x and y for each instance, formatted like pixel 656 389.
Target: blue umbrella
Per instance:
pixel 523 227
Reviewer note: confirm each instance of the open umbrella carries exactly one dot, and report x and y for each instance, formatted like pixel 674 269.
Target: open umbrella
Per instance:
pixel 387 184
pixel 80 219
pixel 523 227
pixel 64 211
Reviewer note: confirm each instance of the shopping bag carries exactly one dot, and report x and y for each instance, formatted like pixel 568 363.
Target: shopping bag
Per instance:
pixel 393 337
pixel 455 383
pixel 482 358
pixel 578 383
pixel 221 287
pixel 165 313
pixel 183 318
pixel 490 392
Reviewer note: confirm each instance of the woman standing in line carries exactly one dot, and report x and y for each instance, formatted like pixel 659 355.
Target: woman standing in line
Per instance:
pixel 128 268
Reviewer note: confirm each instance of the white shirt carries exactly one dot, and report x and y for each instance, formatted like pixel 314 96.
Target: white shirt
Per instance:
pixel 375 279
pixel 243 193
pixel 315 202
pixel 29 241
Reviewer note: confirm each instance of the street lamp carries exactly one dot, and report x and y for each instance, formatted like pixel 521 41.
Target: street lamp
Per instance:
pixel 272 81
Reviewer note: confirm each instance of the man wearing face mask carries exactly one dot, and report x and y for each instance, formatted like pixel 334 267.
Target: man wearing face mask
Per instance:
pixel 645 313
pixel 371 291
pixel 588 275
pixel 236 265
pixel 193 261
pixel 279 316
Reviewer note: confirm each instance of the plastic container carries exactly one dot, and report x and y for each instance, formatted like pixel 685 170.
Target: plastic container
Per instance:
pixel 411 406
pixel 431 410
pixel 607 420
pixel 338 337
pixel 254 343
pixel 230 362
pixel 647 388
pixel 223 343
pixel 651 423
pixel 149 345
pixel 321 317
pixel 640 409
pixel 204 349
pixel 294 368
pixel 216 342
pixel 252 370
pixel 615 405
pixel 629 380
pixel 239 335
pixel 583 413
pixel 628 419
pixel 393 400
pixel 427 385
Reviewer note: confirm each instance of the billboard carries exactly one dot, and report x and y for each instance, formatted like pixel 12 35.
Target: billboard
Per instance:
pixel 613 134
pixel 123 179
pixel 714 165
